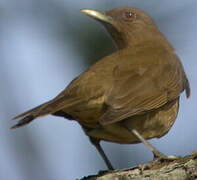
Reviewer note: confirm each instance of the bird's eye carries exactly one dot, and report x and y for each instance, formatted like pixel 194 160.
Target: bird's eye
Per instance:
pixel 128 15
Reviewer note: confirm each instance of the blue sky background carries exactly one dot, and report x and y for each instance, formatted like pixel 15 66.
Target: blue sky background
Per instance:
pixel 44 45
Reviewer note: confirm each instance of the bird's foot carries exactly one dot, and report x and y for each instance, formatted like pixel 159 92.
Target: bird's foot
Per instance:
pixel 157 161
pixel 164 158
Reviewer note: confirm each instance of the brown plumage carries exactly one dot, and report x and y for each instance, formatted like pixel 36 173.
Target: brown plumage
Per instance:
pixel 137 87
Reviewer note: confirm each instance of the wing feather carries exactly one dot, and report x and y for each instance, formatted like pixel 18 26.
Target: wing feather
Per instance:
pixel 143 87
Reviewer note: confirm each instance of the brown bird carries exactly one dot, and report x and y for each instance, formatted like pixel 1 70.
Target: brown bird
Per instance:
pixel 129 96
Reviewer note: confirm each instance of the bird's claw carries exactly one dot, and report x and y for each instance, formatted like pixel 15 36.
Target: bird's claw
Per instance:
pixel 165 158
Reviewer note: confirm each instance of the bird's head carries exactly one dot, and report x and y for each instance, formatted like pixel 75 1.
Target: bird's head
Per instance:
pixel 127 26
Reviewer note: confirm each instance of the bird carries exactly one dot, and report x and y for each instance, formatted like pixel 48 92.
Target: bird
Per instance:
pixel 126 97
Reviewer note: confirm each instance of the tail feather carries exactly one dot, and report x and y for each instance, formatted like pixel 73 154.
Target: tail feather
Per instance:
pixel 28 116
pixel 23 121
pixel 28 112
pixel 49 107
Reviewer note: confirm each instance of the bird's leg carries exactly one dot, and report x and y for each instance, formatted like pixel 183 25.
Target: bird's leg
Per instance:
pixel 96 143
pixel 155 152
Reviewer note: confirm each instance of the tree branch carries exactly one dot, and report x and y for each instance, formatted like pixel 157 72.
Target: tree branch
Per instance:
pixel 183 168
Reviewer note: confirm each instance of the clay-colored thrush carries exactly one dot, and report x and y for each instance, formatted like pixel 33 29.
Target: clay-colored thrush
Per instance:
pixel 129 96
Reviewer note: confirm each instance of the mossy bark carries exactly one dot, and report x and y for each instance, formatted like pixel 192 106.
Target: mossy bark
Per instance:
pixel 183 168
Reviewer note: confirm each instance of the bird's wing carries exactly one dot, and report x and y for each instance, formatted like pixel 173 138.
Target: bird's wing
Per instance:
pixel 142 87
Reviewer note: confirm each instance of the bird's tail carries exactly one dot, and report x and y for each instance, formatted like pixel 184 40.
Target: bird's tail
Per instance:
pixel 49 107
pixel 24 121
pixel 29 116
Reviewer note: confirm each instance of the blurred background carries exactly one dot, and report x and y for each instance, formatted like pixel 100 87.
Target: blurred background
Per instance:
pixel 44 44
